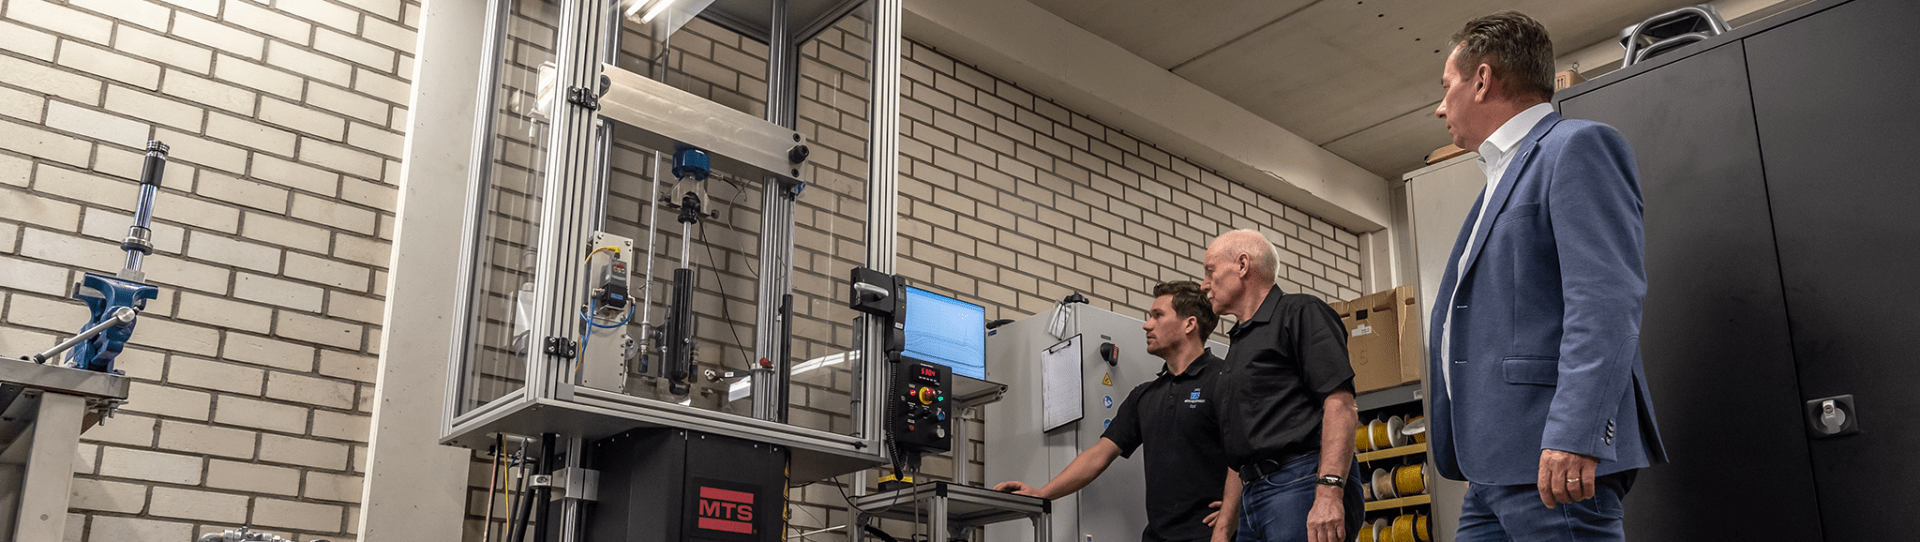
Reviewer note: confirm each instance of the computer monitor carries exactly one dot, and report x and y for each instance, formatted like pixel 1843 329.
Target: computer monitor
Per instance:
pixel 947 331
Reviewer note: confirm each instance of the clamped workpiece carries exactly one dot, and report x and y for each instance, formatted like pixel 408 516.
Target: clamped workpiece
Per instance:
pixel 694 164
pixel 115 301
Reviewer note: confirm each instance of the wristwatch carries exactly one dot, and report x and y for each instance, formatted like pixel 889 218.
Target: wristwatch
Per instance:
pixel 1333 480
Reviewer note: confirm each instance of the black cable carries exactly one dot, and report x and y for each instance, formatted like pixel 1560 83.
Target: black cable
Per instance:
pixel 844 497
pixel 875 531
pixel 517 518
pixel 724 313
pixel 737 192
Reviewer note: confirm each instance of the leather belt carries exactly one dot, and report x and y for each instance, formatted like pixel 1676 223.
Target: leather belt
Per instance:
pixel 1265 467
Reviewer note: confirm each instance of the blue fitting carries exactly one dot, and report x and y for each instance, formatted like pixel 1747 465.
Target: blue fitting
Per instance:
pixel 691 162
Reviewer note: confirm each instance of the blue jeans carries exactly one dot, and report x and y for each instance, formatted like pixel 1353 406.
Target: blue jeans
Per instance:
pixel 1274 508
pixel 1515 513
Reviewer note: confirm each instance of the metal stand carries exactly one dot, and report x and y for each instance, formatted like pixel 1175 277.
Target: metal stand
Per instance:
pixel 949 508
pixel 43 410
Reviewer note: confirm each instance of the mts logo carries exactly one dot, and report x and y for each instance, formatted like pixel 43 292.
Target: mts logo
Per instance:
pixel 725 510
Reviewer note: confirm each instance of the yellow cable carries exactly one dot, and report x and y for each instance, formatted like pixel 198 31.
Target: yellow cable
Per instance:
pixel 616 252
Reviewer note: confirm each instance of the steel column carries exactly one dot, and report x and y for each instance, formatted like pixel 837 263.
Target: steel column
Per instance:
pixel 773 339
pixel 883 187
pixel 49 473
pixel 570 201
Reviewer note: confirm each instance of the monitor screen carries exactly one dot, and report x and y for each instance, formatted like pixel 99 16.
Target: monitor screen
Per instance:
pixel 947 331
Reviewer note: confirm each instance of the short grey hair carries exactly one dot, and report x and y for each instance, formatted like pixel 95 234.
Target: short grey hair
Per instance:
pixel 1266 258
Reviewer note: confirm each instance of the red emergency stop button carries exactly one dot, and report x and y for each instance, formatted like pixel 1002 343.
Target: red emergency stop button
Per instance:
pixel 926 395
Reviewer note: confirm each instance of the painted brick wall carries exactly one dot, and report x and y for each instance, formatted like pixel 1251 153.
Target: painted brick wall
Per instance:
pixel 254 368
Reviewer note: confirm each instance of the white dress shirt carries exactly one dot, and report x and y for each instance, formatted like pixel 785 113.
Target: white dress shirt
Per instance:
pixel 1496 153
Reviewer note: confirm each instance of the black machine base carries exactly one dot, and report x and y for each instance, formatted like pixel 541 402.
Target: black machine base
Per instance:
pixel 672 485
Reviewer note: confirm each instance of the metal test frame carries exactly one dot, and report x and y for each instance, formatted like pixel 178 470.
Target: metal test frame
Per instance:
pixel 590 88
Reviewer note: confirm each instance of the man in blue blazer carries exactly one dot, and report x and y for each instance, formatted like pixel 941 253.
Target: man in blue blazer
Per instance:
pixel 1539 399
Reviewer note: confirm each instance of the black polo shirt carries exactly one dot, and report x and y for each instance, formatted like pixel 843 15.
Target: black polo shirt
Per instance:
pixel 1286 358
pixel 1174 416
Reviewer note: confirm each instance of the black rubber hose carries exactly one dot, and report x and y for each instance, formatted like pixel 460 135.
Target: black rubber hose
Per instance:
pixel 875 531
pixel 544 512
pixel 518 516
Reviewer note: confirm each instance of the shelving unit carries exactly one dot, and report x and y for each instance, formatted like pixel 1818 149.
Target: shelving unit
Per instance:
pixel 1403 401
pixel 1403 502
pixel 1376 455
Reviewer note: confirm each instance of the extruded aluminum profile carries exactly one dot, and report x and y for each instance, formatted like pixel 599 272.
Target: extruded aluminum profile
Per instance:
pixel 667 117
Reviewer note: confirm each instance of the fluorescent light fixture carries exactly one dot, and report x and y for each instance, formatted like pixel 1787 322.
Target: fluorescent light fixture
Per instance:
pixel 634 7
pixel 739 389
pixel 658 7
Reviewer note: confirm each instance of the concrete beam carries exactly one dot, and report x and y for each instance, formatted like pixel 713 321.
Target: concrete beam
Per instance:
pixel 416 488
pixel 1050 56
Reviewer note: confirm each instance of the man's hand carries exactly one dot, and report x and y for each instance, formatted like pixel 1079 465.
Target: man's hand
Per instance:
pixel 1327 522
pixel 1018 488
pixel 1214 515
pixel 1565 477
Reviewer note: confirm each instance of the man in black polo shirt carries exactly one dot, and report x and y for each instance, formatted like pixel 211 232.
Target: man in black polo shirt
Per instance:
pixel 1289 415
pixel 1173 416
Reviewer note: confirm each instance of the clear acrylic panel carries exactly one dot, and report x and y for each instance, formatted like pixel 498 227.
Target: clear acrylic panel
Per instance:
pixel 718 64
pixel 499 327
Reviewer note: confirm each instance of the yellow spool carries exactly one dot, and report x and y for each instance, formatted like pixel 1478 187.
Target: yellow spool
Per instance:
pixel 1362 442
pixel 1409 480
pixel 1403 528
pixel 1382 530
pixel 1366 534
pixel 1421 436
pixel 1383 485
pixel 1379 432
pixel 1420 529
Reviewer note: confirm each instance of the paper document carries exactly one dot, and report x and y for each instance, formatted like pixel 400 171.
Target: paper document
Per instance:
pixel 1060 376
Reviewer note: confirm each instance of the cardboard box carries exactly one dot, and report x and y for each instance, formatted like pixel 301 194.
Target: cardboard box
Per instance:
pixel 1383 338
pixel 1562 80
pixel 1444 153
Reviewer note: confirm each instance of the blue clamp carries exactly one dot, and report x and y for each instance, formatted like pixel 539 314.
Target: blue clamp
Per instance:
pixel 104 296
pixel 691 162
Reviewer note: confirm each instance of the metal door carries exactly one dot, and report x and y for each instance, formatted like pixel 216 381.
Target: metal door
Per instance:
pixel 1714 337
pixel 1838 128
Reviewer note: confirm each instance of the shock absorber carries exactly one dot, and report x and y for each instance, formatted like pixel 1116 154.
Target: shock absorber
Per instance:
pixel 688 163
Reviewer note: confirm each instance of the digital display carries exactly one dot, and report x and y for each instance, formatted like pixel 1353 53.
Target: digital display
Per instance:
pixel 947 331
pixel 928 372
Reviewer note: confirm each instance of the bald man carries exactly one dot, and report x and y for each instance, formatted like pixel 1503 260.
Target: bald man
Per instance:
pixel 1289 419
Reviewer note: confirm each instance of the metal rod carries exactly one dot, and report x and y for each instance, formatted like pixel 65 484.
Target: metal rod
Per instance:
pixel 499 449
pixel 570 507
pixel 121 316
pixel 653 232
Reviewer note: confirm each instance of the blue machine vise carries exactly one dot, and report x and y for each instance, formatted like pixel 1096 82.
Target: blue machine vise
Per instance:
pixel 104 296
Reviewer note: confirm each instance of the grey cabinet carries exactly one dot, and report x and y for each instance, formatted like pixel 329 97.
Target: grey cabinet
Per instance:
pixel 1779 257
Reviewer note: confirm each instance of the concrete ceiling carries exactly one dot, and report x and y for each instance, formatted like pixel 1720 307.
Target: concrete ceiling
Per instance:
pixel 1360 78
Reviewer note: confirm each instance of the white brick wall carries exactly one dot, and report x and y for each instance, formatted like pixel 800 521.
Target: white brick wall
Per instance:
pixel 251 367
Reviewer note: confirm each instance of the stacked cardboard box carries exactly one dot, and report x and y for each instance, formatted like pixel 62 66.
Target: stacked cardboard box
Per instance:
pixel 1383 338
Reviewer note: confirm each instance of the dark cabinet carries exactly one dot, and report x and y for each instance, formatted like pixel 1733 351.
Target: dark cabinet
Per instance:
pixel 1780 268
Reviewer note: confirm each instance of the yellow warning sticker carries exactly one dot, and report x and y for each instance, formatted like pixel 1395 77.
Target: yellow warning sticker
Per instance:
pixel 1107 380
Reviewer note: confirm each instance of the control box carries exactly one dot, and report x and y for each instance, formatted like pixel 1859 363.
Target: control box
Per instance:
pixel 918 412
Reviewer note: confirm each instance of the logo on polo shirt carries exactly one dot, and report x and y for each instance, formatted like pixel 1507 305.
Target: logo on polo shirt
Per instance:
pixel 1194 400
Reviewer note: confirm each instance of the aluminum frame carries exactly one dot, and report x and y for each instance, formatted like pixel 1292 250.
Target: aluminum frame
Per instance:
pixel 572 206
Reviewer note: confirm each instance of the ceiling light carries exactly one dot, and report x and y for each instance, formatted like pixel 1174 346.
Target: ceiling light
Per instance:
pixel 658 7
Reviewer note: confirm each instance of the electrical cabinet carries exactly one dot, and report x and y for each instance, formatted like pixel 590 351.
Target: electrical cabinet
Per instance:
pixel 1779 257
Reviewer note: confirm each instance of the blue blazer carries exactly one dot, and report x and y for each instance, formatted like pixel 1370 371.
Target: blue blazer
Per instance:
pixel 1546 320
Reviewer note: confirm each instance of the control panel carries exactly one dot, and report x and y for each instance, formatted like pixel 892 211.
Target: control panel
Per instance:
pixel 919 415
